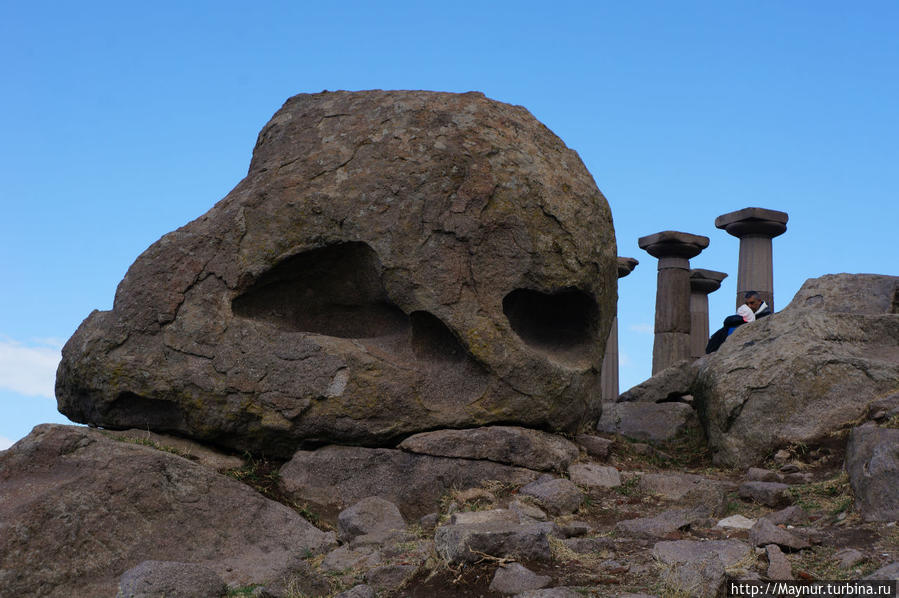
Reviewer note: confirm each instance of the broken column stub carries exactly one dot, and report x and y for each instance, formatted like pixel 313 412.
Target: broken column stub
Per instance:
pixel 393 262
pixel 609 373
pixel 672 322
pixel 702 283
pixel 755 227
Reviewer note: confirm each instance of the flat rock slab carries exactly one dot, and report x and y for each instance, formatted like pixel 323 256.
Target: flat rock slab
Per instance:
pixel 731 552
pixel 792 515
pixel 511 445
pixel 469 543
pixel 372 516
pixel 514 578
pixel 557 495
pixel 764 532
pixel 596 446
pixel 593 476
pixel 334 477
pixel 687 487
pixel 151 579
pixel 772 494
pixel 890 571
pixel 700 578
pixel 736 522
pixel 560 592
pixel 71 491
pixel 872 460
pixel 658 526
pixel 393 262
pixel 651 422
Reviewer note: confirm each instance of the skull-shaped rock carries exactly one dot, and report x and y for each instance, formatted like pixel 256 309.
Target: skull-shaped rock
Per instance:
pixel 393 262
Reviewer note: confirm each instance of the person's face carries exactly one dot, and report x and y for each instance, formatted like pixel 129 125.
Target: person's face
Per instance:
pixel 754 303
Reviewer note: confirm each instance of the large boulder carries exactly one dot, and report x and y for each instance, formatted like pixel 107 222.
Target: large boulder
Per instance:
pixel 78 509
pixel 802 374
pixel 393 262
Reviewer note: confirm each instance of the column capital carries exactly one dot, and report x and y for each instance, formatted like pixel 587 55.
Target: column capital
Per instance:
pixel 753 221
pixel 705 281
pixel 671 243
pixel 626 265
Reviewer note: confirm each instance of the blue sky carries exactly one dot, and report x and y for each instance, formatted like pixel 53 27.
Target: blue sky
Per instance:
pixel 122 121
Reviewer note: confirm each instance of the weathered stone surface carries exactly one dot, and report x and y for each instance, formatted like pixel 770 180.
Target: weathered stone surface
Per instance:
pixel 557 495
pixel 511 445
pixel 849 557
pixel 360 591
pixel 393 262
pixel 593 476
pixel 588 545
pixel 559 592
pixel 731 552
pixel 151 579
pixel 792 515
pixel 489 516
pixel 194 451
pixel 372 516
pixel 525 511
pixel 757 474
pixel 333 477
pixel 872 461
pixel 736 522
pixel 390 577
pixel 468 543
pixel 71 491
pixel 670 384
pixel 890 571
pixel 687 487
pixel 700 578
pixel 658 526
pixel 801 374
pixel 871 294
pixel 772 494
pixel 764 532
pixel 778 563
pixel 596 446
pixel 654 422
pixel 346 557
pixel 514 578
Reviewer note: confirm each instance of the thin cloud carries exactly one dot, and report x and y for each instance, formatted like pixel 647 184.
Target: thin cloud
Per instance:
pixel 5 443
pixel 28 370
pixel 624 360
pixel 641 328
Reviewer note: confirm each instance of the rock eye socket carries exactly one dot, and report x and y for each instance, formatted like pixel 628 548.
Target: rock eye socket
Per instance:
pixel 335 290
pixel 561 324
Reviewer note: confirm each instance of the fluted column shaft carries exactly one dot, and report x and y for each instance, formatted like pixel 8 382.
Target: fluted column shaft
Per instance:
pixel 702 283
pixel 609 371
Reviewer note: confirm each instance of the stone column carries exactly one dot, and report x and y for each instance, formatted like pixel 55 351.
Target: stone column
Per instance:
pixel 702 282
pixel 755 227
pixel 609 372
pixel 672 326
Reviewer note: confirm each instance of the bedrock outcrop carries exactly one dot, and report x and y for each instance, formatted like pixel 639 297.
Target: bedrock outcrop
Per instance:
pixel 393 262
pixel 803 374
pixel 78 508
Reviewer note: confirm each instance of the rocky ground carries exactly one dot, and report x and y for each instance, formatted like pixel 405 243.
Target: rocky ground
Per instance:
pixel 628 520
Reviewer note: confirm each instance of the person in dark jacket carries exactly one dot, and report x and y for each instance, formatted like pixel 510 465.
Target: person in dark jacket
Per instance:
pixel 753 309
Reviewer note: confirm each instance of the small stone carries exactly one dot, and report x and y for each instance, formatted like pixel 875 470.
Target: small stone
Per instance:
pixel 596 446
pixel 372 516
pixel 772 494
pixel 389 577
pixel 655 527
pixel 782 456
pixel 557 495
pixel 514 578
pixel 360 591
pixel 757 474
pixel 792 515
pixel 798 478
pixel 789 468
pixel 736 522
pixel 160 578
pixel 592 476
pixel 778 563
pixel 575 529
pixel 764 532
pixel 849 557
pixel 429 521
pixel 526 510
pixel 478 517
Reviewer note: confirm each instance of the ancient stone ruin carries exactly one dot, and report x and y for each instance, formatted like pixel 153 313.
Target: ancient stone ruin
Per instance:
pixel 380 368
